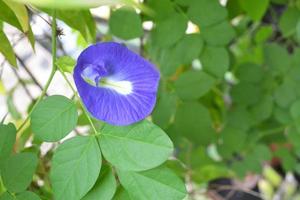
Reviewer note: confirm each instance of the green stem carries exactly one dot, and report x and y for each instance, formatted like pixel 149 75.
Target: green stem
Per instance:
pixel 83 108
pixel 52 71
pixel 80 102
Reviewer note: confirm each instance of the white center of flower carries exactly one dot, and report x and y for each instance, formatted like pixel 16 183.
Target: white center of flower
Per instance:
pixel 122 87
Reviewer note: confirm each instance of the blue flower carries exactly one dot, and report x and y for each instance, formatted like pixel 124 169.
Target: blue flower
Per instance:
pixel 115 84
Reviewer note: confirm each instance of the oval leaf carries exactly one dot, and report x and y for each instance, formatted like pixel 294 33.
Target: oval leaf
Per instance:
pixel 193 121
pixel 7 50
pixel 17 171
pixel 66 63
pixel 53 118
pixel 27 195
pixel 6 196
pixel 206 12
pixel 158 183
pixel 105 186
pixel 7 140
pixel 125 23
pixel 75 167
pixel 136 147
pixel 20 12
pixel 255 8
pixel 192 85
pixel 161 33
pixel 215 61
pixel 122 194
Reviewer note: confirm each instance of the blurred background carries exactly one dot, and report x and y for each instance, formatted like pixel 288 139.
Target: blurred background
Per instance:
pixel 229 94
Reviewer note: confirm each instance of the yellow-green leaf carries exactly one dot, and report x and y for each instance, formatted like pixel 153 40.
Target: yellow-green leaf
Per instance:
pixel 7 50
pixel 20 12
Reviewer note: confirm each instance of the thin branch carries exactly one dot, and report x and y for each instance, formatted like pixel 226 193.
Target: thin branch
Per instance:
pixel 218 188
pixel 29 73
pixel 44 90
pixel 23 84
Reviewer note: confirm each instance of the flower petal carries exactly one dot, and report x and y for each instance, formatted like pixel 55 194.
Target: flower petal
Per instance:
pixel 125 84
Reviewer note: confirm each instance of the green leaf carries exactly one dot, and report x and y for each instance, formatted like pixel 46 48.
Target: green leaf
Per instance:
pixel 66 63
pixel 16 15
pixel 6 196
pixel 90 25
pixel 295 110
pixel 263 34
pixel 161 33
pixel 121 194
pixel 262 153
pixel 17 171
pixel 193 121
pixel 288 21
pixel 288 161
pixel 240 117
pixel 27 195
pixel 246 98
pixel 80 20
pixel 30 37
pixel 215 60
pixel 188 48
pixel 263 109
pixel 7 140
pixel 232 141
pixel 75 167
pixel 8 16
pixel 234 8
pixel 255 8
pixel 83 120
pixel 297 35
pixel 158 183
pixel 293 136
pixel 161 8
pixel 285 94
pixel 105 187
pixel 206 12
pixel 137 147
pixel 183 52
pixel 164 110
pixel 53 118
pixel 199 157
pixel 7 50
pixel 209 172
pixel 276 58
pixel 295 113
pixel 125 23
pixel 183 2
pixel 20 12
pixel 212 36
pixel 193 84
pixel 250 72
pixel 67 4
pixel 253 161
pixel 282 115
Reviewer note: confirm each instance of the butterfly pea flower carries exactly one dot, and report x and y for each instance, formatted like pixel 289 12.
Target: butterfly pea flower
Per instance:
pixel 115 84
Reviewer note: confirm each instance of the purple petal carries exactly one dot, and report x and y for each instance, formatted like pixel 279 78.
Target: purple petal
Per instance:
pixel 124 85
